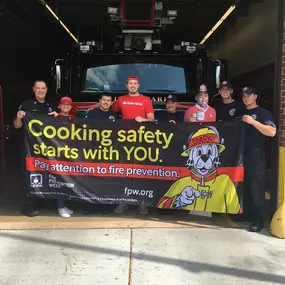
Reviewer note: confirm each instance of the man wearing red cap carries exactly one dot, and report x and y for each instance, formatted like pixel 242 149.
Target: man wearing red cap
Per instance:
pixel 201 112
pixel 134 105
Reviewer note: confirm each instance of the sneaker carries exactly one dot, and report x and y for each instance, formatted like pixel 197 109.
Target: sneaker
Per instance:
pixel 63 213
pixel 121 208
pixel 70 212
pixel 143 209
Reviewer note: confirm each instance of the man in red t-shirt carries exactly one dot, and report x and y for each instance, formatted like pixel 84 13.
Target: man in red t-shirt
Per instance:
pixel 134 105
pixel 201 112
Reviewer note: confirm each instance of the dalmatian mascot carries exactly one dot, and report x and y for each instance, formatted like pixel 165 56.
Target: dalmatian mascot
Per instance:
pixel 204 189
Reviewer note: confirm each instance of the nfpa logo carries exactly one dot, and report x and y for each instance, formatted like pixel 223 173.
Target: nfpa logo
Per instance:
pixel 36 180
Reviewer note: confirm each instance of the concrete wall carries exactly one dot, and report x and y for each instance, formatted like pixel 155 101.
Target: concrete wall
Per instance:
pixel 251 44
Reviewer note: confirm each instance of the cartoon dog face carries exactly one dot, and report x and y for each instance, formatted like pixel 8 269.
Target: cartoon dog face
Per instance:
pixel 203 159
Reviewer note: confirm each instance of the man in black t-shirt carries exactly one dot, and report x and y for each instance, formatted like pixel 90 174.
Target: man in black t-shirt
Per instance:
pixel 38 105
pixel 103 112
pixel 171 114
pixel 229 108
pixel 259 125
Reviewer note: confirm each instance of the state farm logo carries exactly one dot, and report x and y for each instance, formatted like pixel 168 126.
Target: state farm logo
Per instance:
pixel 36 180
pixel 132 103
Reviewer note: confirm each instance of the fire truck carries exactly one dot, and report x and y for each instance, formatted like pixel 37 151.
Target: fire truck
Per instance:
pixel 91 69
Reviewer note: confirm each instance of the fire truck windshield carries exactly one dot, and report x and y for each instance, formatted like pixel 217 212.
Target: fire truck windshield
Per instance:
pixel 153 78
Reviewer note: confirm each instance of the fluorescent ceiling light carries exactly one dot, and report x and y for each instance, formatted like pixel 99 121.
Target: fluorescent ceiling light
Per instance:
pixel 57 18
pixel 218 23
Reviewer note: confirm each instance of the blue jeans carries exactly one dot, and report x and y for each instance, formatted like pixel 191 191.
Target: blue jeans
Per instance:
pixel 60 203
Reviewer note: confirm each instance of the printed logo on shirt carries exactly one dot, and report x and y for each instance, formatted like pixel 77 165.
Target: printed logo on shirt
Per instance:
pixel 111 118
pixel 254 116
pixel 232 112
pixel 132 103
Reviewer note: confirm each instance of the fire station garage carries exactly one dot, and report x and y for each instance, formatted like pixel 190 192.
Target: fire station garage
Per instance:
pixel 239 41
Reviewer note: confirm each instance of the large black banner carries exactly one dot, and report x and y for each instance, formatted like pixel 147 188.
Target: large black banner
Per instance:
pixel 172 166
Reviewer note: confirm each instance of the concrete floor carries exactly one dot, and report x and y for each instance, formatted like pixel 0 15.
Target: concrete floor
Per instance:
pixel 175 256
pixel 132 249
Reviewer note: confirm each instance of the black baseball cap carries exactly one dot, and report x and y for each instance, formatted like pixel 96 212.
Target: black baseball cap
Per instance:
pixel 203 88
pixel 171 97
pixel 249 90
pixel 226 84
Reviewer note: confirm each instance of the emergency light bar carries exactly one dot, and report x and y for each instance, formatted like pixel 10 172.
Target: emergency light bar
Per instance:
pixel 89 46
pixel 187 47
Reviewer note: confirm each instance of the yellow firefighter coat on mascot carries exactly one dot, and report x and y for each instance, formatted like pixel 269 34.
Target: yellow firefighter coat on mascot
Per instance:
pixel 203 189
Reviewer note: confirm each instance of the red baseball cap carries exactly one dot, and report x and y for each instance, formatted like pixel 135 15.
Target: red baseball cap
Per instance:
pixel 65 99
pixel 132 77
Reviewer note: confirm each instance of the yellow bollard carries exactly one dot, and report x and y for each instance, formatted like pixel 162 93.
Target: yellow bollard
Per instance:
pixel 277 226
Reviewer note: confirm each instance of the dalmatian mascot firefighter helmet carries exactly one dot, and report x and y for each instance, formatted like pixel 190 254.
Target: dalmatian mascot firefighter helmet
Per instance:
pixel 203 152
pixel 204 189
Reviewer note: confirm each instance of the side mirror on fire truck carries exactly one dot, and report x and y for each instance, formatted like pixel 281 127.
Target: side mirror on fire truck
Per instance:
pixel 57 74
pixel 218 74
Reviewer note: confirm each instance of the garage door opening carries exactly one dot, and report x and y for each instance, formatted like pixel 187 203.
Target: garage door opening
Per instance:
pixel 241 49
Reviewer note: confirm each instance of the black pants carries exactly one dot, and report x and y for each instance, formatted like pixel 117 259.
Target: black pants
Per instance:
pixel 254 184
pixel 28 203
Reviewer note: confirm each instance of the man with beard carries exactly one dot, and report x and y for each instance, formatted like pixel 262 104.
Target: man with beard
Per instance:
pixel 102 113
pixel 229 108
pixel 201 112
pixel 36 105
pixel 171 115
pixel 259 125
pixel 134 106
